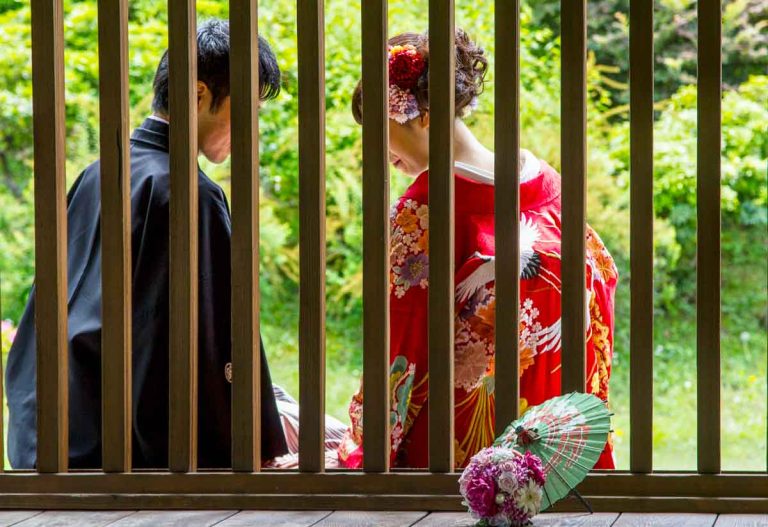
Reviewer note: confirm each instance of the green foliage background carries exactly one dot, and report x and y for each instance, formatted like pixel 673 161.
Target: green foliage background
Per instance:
pixel 744 194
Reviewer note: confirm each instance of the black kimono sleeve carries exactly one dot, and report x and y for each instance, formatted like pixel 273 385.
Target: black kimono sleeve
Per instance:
pixel 215 342
pixel 151 333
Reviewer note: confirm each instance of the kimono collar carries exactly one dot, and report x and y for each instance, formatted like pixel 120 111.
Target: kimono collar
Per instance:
pixel 531 166
pixel 539 185
pixel 542 190
pixel 153 132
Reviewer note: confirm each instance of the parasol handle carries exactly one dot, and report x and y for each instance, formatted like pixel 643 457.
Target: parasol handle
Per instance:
pixel 582 500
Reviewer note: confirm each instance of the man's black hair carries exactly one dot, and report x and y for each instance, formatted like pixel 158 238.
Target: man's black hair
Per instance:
pixel 213 67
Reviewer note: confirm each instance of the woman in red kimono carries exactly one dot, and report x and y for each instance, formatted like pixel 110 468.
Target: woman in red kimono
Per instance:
pixel 475 314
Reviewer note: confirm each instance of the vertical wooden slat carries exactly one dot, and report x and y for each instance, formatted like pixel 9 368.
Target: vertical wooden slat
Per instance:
pixel 641 234
pixel 182 67
pixel 708 233
pixel 441 235
pixel 2 392
pixel 311 50
pixel 375 237
pixel 574 158
pixel 2 427
pixel 507 210
pixel 115 236
pixel 246 360
pixel 50 235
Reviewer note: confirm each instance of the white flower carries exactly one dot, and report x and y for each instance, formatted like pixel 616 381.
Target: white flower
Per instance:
pixel 528 498
pixel 500 455
pixel 508 482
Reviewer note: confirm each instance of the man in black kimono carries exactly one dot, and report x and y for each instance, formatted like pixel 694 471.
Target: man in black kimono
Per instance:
pixel 150 181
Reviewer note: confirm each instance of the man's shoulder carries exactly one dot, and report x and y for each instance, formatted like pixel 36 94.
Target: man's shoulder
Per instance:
pixel 210 194
pixel 210 191
pixel 152 170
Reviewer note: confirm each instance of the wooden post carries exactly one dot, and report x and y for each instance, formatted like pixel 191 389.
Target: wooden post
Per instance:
pixel 641 235
pixel 182 66
pixel 507 211
pixel 2 392
pixel 573 143
pixel 708 234
pixel 116 405
pixel 375 237
pixel 311 50
pixel 50 236
pixel 246 359
pixel 442 86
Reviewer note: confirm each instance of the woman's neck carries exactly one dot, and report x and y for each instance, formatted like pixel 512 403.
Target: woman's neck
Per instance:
pixel 468 150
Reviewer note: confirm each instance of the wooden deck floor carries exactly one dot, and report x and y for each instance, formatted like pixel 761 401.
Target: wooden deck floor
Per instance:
pixel 353 519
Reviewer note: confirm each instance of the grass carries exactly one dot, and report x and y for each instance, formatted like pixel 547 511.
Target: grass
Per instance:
pixel 743 419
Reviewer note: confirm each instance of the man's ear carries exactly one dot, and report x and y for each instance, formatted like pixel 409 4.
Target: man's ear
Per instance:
pixel 424 119
pixel 201 94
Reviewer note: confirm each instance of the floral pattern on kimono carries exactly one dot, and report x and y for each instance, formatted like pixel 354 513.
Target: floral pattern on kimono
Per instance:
pixel 539 341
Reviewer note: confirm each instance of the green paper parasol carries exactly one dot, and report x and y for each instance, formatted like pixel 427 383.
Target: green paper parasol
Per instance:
pixel 568 433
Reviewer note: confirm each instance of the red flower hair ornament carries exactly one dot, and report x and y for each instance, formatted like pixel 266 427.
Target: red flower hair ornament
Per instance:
pixel 406 65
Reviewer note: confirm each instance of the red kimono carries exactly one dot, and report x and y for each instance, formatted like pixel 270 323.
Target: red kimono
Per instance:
pixel 539 344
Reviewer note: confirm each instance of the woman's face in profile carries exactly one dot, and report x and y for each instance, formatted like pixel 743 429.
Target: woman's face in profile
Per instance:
pixel 409 145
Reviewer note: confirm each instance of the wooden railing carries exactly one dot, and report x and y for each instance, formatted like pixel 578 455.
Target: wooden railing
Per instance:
pixel 247 486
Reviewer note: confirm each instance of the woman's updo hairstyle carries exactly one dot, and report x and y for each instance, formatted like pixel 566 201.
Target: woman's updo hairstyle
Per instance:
pixel 471 67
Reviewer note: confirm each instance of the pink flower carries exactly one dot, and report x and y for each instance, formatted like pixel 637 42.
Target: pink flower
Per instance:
pixel 403 105
pixel 508 482
pixel 503 487
pixel 481 496
pixel 535 468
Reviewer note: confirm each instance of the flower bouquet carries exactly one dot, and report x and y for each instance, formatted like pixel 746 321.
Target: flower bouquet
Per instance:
pixel 502 487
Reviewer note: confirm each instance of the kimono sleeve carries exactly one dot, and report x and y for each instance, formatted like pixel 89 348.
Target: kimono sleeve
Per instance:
pixel 602 277
pixel 214 297
pixel 215 338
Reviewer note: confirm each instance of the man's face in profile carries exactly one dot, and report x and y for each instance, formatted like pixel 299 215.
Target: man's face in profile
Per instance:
pixel 213 126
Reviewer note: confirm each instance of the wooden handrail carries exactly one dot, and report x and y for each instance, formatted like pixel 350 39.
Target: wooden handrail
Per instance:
pixel 247 484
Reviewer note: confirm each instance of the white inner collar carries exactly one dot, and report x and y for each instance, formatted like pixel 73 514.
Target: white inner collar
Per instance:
pixel 156 118
pixel 530 170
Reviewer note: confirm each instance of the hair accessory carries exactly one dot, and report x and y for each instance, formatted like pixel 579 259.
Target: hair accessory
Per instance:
pixel 406 65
